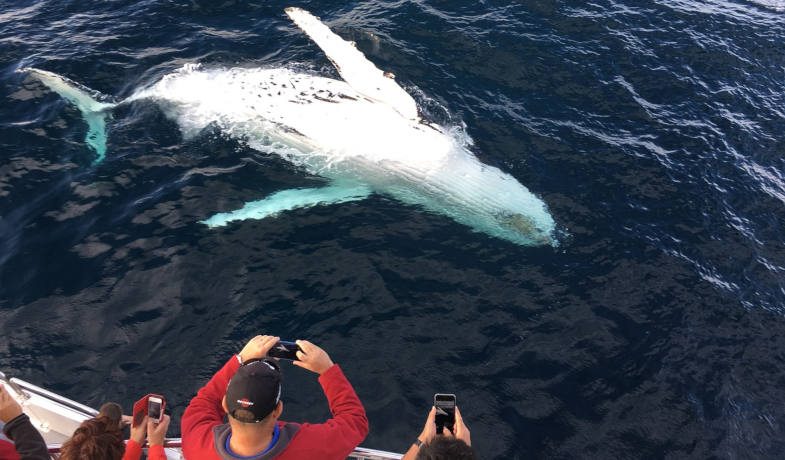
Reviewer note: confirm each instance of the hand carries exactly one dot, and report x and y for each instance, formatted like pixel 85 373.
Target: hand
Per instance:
pixel 429 430
pixel 156 432
pixel 312 358
pixel 461 430
pixel 139 432
pixel 126 420
pixel 258 347
pixel 9 408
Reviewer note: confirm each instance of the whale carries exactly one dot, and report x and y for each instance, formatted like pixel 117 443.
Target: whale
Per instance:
pixel 363 134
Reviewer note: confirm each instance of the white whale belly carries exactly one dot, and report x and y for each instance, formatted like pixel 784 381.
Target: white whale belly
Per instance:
pixel 327 115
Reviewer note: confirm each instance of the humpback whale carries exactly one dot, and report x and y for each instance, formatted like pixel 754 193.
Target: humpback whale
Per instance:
pixel 362 134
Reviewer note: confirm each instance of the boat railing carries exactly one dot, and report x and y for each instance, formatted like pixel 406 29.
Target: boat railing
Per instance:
pixel 23 389
pixel 175 444
pixel 14 386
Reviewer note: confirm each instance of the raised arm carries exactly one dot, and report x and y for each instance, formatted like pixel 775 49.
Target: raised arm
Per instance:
pixel 205 410
pixel 349 425
pixel 27 440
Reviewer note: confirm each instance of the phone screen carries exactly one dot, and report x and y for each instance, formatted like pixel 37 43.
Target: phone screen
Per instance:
pixel 445 412
pixel 284 350
pixel 154 408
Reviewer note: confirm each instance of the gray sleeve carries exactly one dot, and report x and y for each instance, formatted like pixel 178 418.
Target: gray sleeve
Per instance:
pixel 27 440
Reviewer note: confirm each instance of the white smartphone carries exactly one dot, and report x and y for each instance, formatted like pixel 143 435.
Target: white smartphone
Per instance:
pixel 155 408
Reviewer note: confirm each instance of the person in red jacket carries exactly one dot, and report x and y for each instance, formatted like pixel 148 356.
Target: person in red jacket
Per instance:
pixel 102 438
pixel 248 389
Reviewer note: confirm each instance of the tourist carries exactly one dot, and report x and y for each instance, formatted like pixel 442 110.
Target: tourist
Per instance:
pixel 28 443
pixel 155 433
pixel 102 438
pixel 446 446
pixel 98 437
pixel 248 389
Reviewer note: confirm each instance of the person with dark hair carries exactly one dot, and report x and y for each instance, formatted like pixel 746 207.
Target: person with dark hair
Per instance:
pixel 446 446
pixel 96 438
pixel 28 443
pixel 101 438
pixel 114 412
pixel 248 389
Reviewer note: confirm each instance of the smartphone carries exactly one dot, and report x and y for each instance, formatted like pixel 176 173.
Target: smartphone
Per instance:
pixel 155 407
pixel 445 412
pixel 284 350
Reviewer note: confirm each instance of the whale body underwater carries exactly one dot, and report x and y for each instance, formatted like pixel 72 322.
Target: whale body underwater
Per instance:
pixel 363 134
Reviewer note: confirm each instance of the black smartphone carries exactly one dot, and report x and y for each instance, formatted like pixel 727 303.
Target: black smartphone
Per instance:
pixel 155 408
pixel 445 412
pixel 284 350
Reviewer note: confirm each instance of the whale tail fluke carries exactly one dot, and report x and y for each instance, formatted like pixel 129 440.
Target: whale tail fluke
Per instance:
pixel 94 112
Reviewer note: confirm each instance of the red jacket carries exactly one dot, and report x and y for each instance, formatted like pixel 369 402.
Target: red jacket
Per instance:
pixel 133 451
pixel 335 439
pixel 7 451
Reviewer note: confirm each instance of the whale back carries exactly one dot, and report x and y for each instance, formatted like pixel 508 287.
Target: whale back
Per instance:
pixel 273 109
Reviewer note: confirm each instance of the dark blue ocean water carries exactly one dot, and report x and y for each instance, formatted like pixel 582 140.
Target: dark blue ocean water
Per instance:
pixel 652 130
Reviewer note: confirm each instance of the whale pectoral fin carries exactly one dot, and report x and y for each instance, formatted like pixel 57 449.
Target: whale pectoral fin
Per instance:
pixel 286 200
pixel 355 69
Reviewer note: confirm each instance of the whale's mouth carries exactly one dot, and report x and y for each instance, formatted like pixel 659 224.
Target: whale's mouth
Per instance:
pixel 524 226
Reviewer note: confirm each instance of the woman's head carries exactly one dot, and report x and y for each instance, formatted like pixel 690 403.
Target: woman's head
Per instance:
pixel 113 411
pixel 99 438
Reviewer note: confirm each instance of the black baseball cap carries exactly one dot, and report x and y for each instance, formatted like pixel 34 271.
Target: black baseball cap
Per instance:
pixel 256 388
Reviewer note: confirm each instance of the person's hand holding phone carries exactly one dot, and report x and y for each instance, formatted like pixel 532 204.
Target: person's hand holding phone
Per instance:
pixel 429 430
pixel 461 430
pixel 139 431
pixel 9 408
pixel 312 358
pixel 258 347
pixel 156 432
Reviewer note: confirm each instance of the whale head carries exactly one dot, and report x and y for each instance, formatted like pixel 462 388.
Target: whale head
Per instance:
pixel 523 227
pixel 477 195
